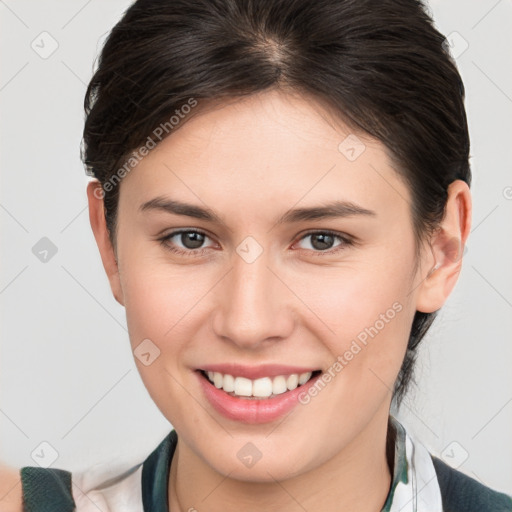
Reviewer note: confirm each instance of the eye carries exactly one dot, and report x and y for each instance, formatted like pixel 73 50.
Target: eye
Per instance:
pixel 191 241
pixel 323 242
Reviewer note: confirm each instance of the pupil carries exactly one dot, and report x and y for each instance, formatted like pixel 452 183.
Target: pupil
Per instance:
pixel 325 241
pixel 192 240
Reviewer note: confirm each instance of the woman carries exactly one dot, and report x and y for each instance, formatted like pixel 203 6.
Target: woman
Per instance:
pixel 281 201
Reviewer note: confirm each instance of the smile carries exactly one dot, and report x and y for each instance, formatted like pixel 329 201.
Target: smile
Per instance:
pixel 265 387
pixel 259 395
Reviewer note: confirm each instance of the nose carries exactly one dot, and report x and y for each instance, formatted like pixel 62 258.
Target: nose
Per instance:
pixel 255 306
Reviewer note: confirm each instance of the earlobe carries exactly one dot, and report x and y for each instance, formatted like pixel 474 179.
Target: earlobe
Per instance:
pixel 447 246
pixel 99 228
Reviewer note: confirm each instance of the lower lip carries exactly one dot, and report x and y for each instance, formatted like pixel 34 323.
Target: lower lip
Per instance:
pixel 253 411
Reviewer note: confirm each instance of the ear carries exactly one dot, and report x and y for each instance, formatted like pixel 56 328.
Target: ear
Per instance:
pixel 447 245
pixel 99 227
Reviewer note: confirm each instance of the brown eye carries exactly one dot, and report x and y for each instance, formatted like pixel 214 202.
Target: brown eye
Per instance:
pixel 322 241
pixel 187 242
pixel 191 239
pixel 325 241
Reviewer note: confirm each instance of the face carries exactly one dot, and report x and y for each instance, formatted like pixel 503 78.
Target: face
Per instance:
pixel 295 258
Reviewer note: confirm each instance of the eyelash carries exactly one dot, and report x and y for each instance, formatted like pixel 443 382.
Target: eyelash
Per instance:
pixel 195 253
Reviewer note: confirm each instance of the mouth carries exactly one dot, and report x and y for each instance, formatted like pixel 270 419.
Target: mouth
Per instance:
pixel 263 388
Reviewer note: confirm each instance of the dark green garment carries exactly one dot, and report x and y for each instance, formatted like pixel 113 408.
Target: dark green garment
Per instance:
pixel 49 490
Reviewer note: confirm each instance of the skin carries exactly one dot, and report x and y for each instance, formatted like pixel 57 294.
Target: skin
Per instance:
pixel 250 161
pixel 10 490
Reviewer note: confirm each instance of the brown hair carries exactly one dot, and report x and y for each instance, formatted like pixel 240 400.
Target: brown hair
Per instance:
pixel 379 64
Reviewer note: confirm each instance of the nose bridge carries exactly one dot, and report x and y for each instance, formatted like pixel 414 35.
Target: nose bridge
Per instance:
pixel 253 303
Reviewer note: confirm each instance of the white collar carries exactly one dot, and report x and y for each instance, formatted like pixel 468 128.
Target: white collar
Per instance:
pixel 415 487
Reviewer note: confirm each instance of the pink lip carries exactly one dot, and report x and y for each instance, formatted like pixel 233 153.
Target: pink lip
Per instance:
pixel 256 372
pixel 253 411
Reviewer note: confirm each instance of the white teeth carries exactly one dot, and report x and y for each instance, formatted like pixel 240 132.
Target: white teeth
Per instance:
pixel 243 386
pixel 304 377
pixel 259 388
pixel 279 385
pixel 262 387
pixel 292 381
pixel 229 383
pixel 217 379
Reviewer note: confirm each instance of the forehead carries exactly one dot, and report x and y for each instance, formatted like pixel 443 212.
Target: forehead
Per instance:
pixel 263 150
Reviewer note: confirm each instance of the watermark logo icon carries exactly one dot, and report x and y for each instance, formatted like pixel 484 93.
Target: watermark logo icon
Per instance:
pixel 249 249
pixel 44 250
pixel 44 455
pixel 352 147
pixel 45 45
pixel 454 454
pixel 455 44
pixel 146 352
pixel 249 455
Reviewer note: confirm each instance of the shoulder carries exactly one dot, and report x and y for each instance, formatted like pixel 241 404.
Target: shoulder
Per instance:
pixel 10 490
pixel 101 487
pixel 461 493
pixel 119 485
pixel 44 486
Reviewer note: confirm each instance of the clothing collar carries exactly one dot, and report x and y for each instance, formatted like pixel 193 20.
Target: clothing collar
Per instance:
pixel 155 475
pixel 414 486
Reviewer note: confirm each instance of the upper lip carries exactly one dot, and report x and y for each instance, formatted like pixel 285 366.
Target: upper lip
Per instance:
pixel 255 372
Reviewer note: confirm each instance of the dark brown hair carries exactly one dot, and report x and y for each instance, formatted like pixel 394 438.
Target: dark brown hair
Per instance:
pixel 380 65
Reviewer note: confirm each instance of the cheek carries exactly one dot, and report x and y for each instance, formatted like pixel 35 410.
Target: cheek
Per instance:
pixel 363 317
pixel 160 306
pixel 354 297
pixel 159 299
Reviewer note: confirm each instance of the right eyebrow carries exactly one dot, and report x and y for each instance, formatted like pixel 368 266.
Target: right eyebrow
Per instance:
pixel 179 208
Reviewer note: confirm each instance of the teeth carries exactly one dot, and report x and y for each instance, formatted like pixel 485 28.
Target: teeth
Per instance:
pixel 279 385
pixel 260 388
pixel 228 383
pixel 243 386
pixel 292 381
pixel 217 380
pixel 304 377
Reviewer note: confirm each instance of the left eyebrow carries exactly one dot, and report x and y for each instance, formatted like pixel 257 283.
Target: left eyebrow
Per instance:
pixel 330 210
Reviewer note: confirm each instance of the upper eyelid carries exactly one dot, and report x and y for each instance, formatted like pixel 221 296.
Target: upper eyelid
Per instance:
pixel 182 230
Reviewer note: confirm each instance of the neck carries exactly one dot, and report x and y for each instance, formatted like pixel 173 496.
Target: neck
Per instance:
pixel 358 478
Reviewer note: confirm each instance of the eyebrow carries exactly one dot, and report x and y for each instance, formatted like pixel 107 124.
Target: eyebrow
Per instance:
pixel 333 209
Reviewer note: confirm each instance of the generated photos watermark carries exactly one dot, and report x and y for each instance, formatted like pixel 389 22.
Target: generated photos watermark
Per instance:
pixel 159 133
pixel 358 343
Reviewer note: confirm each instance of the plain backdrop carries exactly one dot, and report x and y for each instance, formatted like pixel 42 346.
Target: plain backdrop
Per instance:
pixel 67 375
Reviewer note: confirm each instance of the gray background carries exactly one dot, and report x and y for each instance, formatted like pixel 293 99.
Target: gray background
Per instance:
pixel 67 375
